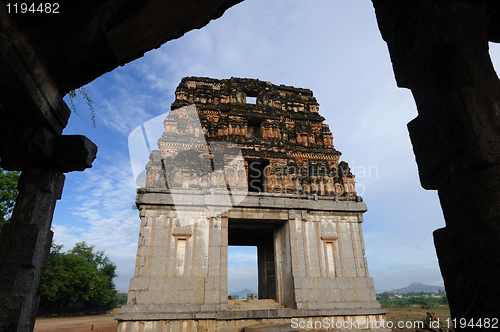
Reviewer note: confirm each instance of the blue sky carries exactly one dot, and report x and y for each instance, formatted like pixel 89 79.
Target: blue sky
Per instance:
pixel 333 48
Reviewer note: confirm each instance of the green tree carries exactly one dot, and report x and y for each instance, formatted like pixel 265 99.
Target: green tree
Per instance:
pixel 8 194
pixel 80 275
pixel 120 299
pixel 384 295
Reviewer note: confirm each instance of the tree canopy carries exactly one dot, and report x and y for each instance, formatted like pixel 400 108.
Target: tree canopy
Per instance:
pixel 8 194
pixel 81 275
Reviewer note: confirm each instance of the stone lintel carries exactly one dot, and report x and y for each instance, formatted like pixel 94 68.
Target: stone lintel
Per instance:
pixel 153 196
pixel 67 153
pixel 74 152
pixel 32 73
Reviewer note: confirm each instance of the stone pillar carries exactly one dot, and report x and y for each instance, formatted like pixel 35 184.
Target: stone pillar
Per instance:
pixel 439 50
pixel 25 245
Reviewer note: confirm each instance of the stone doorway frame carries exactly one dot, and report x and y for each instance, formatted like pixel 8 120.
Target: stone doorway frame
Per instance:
pixel 273 255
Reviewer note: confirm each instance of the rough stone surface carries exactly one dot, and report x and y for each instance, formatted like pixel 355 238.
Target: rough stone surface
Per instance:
pixel 33 116
pixel 29 237
pixel 439 50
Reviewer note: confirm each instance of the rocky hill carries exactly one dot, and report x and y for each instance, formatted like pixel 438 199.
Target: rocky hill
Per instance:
pixel 418 287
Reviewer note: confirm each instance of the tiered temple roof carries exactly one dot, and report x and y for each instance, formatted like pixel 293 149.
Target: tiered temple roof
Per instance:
pixel 285 144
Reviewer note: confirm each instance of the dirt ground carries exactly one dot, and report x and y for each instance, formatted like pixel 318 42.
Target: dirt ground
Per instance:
pixel 101 323
pixel 415 314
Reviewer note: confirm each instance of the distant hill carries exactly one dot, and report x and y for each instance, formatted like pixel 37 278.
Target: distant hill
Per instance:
pixel 418 287
pixel 242 293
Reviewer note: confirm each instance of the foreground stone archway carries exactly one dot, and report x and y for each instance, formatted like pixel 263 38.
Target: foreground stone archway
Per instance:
pixel 439 50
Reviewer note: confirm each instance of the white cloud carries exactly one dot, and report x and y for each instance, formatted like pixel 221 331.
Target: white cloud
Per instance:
pixel 242 256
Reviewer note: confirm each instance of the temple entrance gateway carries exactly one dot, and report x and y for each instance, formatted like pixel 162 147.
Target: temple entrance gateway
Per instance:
pixel 302 213
pixel 261 234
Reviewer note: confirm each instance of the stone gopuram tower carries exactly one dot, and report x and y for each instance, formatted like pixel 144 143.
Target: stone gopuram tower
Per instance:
pixel 246 162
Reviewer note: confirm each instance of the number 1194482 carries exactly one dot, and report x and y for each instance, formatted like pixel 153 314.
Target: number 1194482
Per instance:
pixel 40 8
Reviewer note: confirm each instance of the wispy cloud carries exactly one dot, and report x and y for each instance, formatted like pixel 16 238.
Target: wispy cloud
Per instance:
pixel 102 214
pixel 242 268
pixel 242 256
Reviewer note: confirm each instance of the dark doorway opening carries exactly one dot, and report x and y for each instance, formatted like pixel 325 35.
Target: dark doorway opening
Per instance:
pixel 254 129
pixel 257 175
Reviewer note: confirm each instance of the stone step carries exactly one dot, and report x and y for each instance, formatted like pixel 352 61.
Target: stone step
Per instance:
pixel 270 328
pixel 252 304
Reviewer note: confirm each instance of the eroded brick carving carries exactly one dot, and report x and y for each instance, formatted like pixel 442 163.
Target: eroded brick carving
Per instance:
pixel 286 146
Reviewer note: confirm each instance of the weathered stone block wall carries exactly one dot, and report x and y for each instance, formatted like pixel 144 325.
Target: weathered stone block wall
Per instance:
pixel 179 268
pixel 182 268
pixel 329 266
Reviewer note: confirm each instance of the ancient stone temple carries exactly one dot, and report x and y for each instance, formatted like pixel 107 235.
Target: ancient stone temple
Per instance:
pixel 246 162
